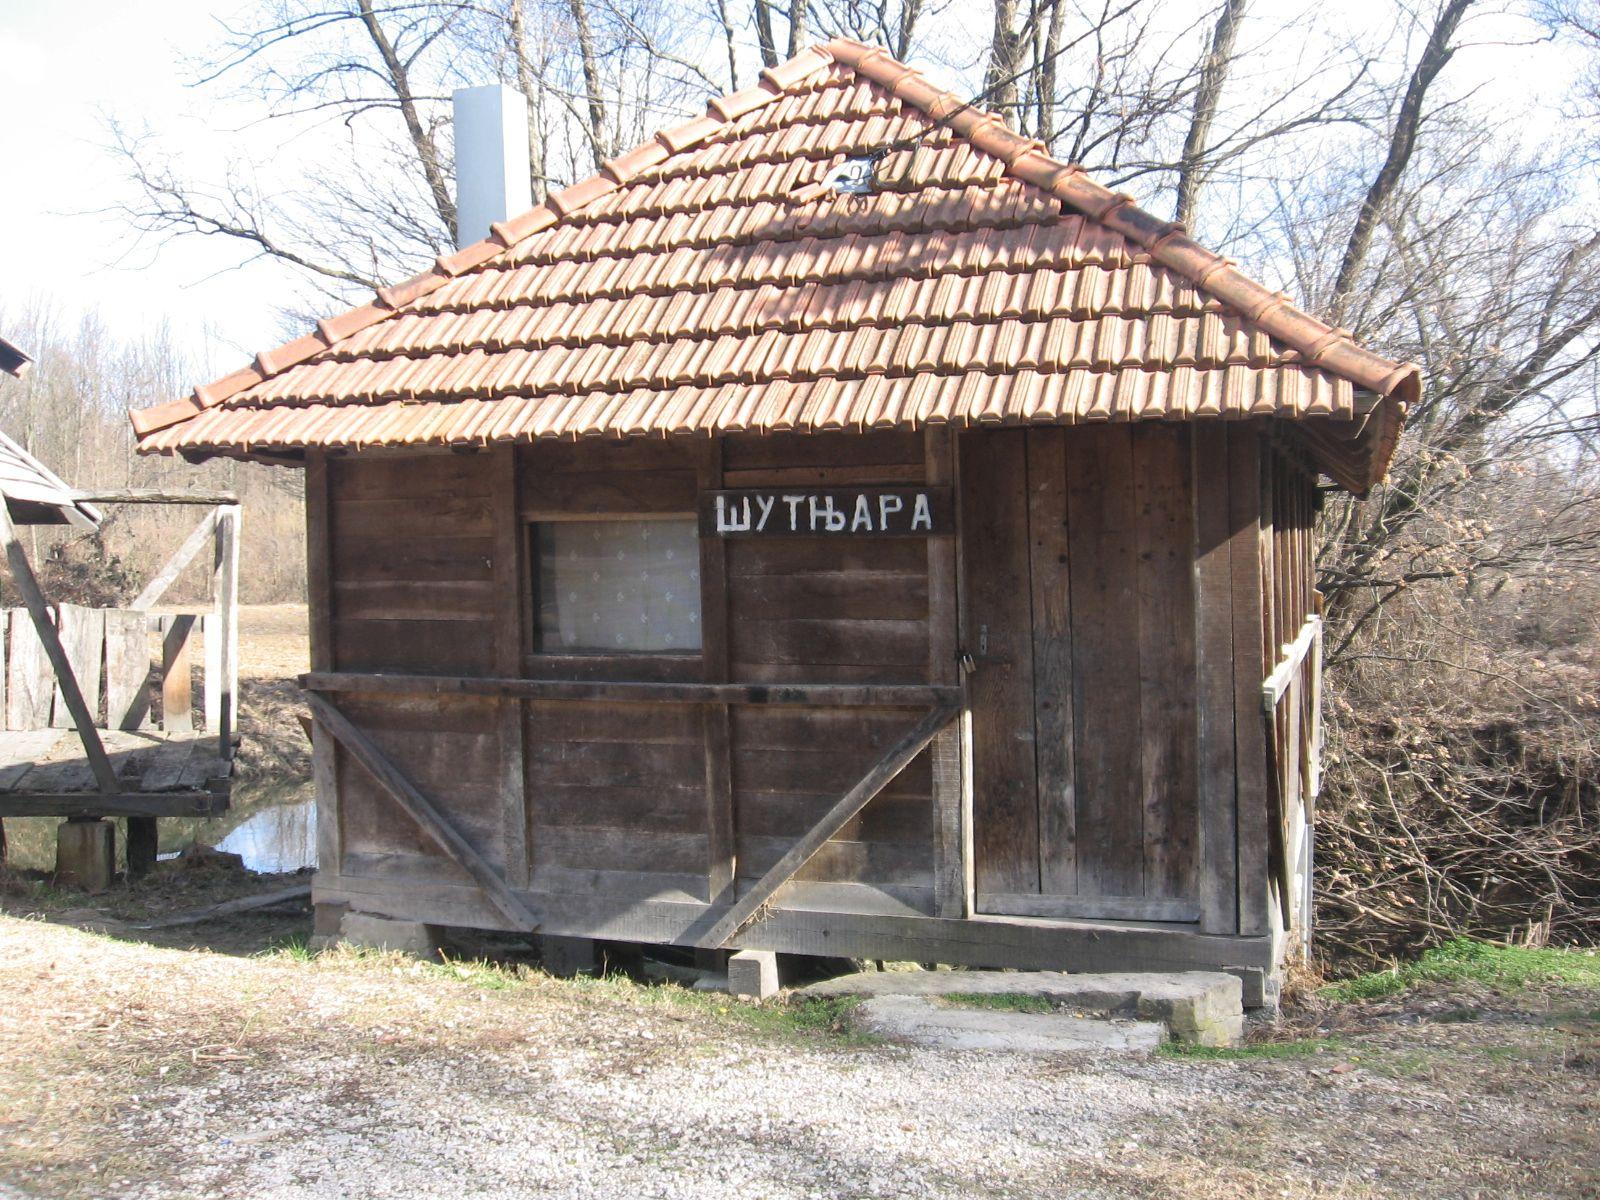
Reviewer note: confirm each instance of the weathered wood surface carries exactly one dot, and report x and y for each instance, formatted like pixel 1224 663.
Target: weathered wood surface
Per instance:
pixel 1214 695
pixel 851 695
pixel 409 548
pixel 853 801
pixel 1164 539
pixel 133 805
pixel 177 700
pixel 422 811
pixel 998 637
pixel 83 720
pixel 28 687
pixel 83 634
pixel 1055 739
pixel 127 670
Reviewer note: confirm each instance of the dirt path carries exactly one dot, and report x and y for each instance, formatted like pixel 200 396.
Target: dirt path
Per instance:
pixel 134 1071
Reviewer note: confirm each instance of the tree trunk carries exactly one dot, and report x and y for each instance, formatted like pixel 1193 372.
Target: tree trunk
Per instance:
pixel 797 26
pixel 1045 85
pixel 1402 141
pixel 769 48
pixel 421 140
pixel 529 87
pixel 727 40
pixel 1005 46
pixel 1213 74
pixel 596 127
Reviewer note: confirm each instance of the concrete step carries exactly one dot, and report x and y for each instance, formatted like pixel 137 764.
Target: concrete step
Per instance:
pixel 1203 1007
pixel 927 1022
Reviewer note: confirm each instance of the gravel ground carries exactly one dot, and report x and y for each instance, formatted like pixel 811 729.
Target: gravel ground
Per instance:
pixel 135 1071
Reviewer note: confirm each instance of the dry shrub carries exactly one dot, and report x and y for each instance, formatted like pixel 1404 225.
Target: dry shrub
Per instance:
pixel 1462 793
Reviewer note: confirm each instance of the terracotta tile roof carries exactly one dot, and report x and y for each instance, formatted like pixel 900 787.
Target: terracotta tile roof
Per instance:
pixel 708 282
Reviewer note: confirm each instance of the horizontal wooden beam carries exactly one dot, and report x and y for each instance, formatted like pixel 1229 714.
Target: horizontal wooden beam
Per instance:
pixel 154 496
pixel 1022 942
pixel 1273 688
pixel 851 695
pixel 113 804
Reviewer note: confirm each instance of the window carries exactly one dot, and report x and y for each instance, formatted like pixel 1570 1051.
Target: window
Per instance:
pixel 622 586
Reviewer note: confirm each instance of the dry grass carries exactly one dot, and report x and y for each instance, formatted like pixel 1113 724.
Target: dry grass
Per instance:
pixel 107 1038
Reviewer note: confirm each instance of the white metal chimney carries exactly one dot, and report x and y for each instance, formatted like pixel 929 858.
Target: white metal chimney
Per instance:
pixel 491 127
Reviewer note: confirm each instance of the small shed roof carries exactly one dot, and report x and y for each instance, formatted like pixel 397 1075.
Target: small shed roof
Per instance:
pixel 710 281
pixel 12 360
pixel 35 495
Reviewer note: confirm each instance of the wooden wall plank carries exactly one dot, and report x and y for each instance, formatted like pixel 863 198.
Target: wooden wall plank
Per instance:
pixel 127 669
pixel 1105 639
pixel 1052 660
pixel 1162 498
pixel 996 633
pixel 1214 691
pixel 509 604
pixel 715 721
pixel 29 686
pixel 749 452
pixel 177 701
pixel 952 779
pixel 83 637
pixel 1251 585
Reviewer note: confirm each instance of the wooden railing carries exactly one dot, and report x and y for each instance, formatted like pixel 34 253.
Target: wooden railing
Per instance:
pixel 1292 699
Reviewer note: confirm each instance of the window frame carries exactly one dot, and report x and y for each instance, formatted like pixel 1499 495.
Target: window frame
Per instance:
pixel 646 666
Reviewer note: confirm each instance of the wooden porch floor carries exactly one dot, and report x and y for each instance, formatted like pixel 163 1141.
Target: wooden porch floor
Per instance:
pixel 45 772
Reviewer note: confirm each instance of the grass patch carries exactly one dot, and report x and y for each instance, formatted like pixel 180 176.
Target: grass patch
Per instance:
pixel 1465 960
pixel 1000 1001
pixel 1253 1052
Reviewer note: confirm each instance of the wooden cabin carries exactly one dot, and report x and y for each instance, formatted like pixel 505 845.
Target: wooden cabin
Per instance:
pixel 836 528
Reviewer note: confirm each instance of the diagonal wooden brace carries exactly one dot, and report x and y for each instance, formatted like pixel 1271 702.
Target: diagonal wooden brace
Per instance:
pixel 422 811
pixel 897 758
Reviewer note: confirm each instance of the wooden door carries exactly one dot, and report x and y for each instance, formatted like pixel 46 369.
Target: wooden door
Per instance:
pixel 1078 616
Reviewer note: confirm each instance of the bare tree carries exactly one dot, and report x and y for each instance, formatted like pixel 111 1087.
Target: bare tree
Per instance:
pixel 1207 95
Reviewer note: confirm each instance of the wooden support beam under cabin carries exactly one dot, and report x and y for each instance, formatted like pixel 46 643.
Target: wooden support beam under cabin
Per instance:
pixel 71 695
pixel 842 695
pixel 885 769
pixel 421 810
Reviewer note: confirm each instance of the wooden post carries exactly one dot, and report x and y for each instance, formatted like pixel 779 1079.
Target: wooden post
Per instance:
pixel 176 699
pixel 717 722
pixel 39 613
pixel 319 596
pixel 143 840
pixel 222 631
pixel 952 775
pixel 510 605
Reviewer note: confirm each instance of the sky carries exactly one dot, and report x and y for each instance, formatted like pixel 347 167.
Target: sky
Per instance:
pixel 67 68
